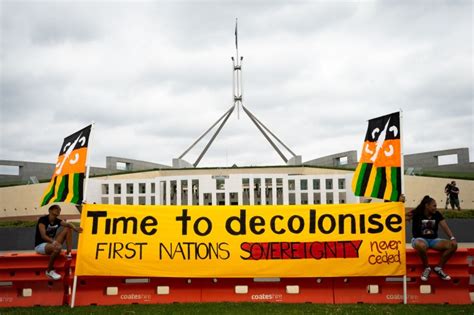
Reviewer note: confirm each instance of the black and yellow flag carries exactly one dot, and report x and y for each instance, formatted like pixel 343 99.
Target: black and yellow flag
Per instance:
pixel 378 174
pixel 68 178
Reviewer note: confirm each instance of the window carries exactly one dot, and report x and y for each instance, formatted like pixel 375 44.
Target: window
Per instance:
pixel 329 198
pixel 184 192
pixel 304 198
pixel 448 159
pixel 329 183
pixel 268 191
pixel 220 184
pixel 291 184
pixel 316 184
pixel 195 190
pixel 129 200
pixel 291 199
pixel 341 183
pixel 317 198
pixel 142 188
pixel 153 200
pixel 279 196
pixel 304 184
pixel 9 170
pixel 105 200
pixel 208 199
pixel 246 197
pixel 141 200
pixel 117 201
pixel 173 192
pixel 129 188
pixel 342 160
pixel 342 197
pixel 220 199
pixel 105 189
pixel 152 188
pixel 123 166
pixel 117 189
pixel 234 198
pixel 257 191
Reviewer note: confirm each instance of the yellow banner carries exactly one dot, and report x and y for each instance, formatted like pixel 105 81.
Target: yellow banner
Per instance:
pixel 242 241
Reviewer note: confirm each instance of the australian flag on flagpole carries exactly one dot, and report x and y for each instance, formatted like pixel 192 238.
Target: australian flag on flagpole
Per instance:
pixel 378 174
pixel 67 182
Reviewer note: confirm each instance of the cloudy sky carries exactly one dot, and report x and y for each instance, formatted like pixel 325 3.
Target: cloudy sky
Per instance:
pixel 155 75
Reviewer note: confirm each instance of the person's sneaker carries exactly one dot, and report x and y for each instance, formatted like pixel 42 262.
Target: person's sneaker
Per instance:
pixel 439 271
pixel 53 275
pixel 426 274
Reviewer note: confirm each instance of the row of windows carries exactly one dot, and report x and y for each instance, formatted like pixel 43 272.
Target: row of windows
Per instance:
pixel 220 185
pixel 129 188
pixel 234 198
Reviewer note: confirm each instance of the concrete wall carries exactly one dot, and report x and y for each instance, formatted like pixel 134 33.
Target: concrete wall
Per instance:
pixel 430 161
pixel 26 170
pixel 131 165
pixel 334 160
pixel 44 171
pixel 419 162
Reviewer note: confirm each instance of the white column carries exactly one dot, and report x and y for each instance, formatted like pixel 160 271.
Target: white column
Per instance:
pixel 322 185
pixel 297 190
pixel 335 193
pixel 310 191
pixel 168 192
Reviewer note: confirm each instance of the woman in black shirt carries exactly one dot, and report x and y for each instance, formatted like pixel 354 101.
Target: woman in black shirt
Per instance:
pixel 426 219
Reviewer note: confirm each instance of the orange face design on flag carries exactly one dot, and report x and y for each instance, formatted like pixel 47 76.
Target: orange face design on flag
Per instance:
pixel 389 153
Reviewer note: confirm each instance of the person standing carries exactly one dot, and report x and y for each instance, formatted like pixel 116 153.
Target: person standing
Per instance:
pixel 454 196
pixel 447 191
pixel 425 222
pixel 49 242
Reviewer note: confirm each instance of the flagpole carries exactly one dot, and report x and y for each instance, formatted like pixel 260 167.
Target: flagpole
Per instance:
pixel 84 198
pixel 402 172
pixel 88 166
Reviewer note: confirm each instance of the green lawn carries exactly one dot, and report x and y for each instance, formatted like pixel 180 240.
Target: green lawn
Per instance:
pixel 248 308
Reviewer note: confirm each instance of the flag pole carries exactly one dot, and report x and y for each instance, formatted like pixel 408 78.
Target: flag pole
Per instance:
pixel 402 173
pixel 88 166
pixel 84 198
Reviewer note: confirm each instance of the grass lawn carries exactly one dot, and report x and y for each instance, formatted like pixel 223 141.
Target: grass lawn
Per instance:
pixel 248 308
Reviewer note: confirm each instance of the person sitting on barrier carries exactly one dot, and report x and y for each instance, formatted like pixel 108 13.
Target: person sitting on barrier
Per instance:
pixel 48 243
pixel 426 220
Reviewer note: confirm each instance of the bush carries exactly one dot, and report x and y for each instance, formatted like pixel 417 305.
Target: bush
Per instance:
pixel 8 224
pixel 455 214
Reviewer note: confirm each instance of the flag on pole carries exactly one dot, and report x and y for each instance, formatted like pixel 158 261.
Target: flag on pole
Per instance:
pixel 236 36
pixel 378 174
pixel 67 182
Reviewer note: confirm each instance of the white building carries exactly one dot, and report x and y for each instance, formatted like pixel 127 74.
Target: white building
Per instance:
pixel 219 187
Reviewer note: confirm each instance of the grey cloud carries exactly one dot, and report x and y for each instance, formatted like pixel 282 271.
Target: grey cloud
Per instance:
pixel 155 75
